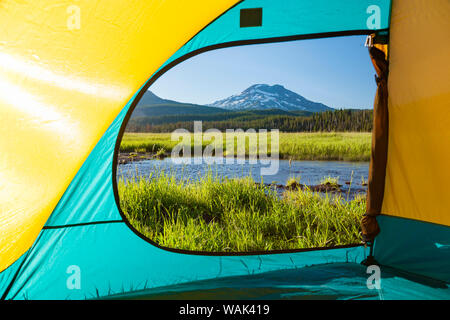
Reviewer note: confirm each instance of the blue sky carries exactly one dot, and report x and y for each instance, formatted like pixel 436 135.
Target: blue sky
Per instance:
pixel 334 71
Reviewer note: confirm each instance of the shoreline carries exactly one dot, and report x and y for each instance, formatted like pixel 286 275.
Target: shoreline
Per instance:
pixel 131 157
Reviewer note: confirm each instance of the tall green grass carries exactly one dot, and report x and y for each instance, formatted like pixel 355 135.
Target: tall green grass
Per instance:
pixel 347 146
pixel 236 215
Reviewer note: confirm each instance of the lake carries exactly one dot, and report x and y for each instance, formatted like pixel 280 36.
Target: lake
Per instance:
pixel 309 172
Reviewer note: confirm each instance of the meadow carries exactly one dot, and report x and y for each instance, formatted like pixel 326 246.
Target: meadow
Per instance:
pixel 237 215
pixel 343 146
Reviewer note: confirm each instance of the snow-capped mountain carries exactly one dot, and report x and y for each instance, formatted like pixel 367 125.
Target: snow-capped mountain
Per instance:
pixel 264 97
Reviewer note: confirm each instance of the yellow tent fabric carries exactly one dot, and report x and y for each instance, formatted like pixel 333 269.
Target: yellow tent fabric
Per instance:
pixel 419 112
pixel 66 85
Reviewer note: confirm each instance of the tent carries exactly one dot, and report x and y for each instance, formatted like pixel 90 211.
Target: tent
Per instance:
pixel 72 72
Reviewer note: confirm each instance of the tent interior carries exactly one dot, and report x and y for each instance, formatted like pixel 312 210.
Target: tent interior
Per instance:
pixel 65 99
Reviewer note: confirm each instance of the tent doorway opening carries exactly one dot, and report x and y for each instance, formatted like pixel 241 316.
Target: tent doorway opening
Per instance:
pixel 253 148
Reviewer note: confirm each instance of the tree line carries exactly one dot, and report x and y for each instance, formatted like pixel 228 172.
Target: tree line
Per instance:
pixel 338 120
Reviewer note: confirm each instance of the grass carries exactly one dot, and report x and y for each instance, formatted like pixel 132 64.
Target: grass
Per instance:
pixel 236 215
pixel 346 146
pixel 332 181
pixel 293 181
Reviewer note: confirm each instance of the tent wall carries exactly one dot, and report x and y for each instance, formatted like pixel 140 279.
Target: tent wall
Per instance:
pixel 419 112
pixel 415 233
pixel 86 227
pixel 61 88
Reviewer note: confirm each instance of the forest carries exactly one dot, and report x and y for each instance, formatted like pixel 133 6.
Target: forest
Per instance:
pixel 329 121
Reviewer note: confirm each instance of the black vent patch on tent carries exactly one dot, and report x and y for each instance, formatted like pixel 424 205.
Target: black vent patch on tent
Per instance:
pixel 251 17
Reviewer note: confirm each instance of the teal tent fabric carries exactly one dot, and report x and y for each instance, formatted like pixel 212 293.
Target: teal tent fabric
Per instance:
pixel 419 247
pixel 113 260
pixel 86 229
pixel 336 281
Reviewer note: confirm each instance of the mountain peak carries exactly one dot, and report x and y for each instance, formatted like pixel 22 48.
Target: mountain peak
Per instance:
pixel 265 97
pixel 265 87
